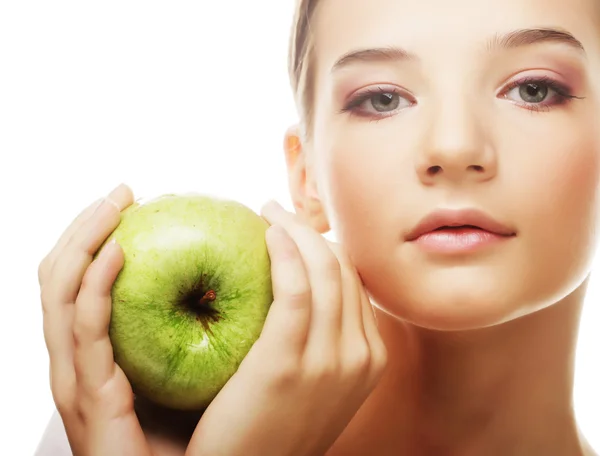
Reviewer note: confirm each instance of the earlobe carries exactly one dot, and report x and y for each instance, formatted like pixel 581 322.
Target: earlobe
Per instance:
pixel 301 182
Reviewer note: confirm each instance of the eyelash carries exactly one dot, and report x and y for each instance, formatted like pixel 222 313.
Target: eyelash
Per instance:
pixel 352 107
pixel 562 95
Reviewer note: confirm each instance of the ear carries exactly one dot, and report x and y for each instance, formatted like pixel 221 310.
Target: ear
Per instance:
pixel 302 182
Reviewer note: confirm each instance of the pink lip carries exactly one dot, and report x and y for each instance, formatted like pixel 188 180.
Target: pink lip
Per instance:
pixel 458 231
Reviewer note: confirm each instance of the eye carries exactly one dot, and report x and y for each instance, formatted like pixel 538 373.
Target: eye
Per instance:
pixel 378 102
pixel 531 92
pixel 534 93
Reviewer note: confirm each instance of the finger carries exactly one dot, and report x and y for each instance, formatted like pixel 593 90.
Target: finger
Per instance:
pixel 324 276
pixel 121 195
pixel 374 339
pixel 287 323
pixel 47 263
pixel 60 293
pixel 58 339
pixel 353 331
pixel 79 251
pixel 93 357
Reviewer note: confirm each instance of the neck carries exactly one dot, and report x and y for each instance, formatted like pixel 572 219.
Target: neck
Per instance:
pixel 501 390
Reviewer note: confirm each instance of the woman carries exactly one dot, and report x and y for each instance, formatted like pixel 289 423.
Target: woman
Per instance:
pixel 451 147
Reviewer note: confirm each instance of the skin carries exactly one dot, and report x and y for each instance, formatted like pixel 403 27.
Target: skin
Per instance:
pixel 319 353
pixel 485 339
pixel 478 350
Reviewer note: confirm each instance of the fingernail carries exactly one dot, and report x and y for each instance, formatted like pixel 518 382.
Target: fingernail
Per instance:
pixel 104 202
pixel 273 205
pixel 276 230
pixel 115 191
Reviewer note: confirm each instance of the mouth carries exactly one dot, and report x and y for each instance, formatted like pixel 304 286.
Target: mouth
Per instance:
pixel 459 222
pixel 458 227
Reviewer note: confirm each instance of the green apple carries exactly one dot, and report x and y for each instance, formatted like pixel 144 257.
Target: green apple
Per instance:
pixel 192 296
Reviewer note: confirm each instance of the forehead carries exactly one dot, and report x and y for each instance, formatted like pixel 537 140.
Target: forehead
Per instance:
pixel 443 27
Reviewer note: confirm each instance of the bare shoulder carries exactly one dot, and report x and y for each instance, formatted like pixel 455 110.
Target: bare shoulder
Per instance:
pixel 54 441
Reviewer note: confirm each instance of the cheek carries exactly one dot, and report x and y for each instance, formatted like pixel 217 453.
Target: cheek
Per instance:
pixel 559 205
pixel 558 185
pixel 546 186
pixel 363 187
pixel 560 175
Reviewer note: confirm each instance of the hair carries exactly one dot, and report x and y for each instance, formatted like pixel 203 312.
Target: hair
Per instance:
pixel 300 63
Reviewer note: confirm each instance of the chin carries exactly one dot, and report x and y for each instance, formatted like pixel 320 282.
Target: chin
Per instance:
pixel 467 297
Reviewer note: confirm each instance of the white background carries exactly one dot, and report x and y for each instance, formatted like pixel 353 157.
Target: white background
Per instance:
pixel 167 97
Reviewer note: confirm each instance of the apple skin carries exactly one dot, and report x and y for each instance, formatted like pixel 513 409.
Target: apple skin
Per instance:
pixel 176 348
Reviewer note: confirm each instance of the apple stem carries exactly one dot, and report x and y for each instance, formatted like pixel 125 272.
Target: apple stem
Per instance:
pixel 209 296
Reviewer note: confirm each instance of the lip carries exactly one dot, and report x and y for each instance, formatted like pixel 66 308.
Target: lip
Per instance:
pixel 467 229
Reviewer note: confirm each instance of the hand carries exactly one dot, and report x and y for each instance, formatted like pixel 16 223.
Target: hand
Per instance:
pixel 92 394
pixel 318 358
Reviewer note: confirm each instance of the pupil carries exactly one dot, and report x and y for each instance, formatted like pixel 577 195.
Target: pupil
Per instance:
pixel 533 93
pixel 385 102
pixel 532 90
pixel 385 99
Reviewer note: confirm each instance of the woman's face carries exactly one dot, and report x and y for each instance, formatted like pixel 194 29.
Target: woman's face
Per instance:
pixel 459 105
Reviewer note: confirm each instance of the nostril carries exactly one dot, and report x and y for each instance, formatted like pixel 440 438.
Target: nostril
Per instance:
pixel 433 170
pixel 477 168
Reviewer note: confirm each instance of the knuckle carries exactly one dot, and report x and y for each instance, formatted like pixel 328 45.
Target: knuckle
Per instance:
pixel 81 333
pixel 299 294
pixel 42 270
pixel 92 276
pixel 85 240
pixel 377 368
pixel 284 375
pixel 46 299
pixel 76 342
pixel 380 359
pixel 330 264
pixel 80 242
pixel 63 400
pixel 88 278
pixel 93 397
pixel 360 360
pixel 324 370
pixel 65 410
pixel 82 415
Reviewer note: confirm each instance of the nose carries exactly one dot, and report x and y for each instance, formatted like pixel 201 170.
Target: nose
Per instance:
pixel 456 147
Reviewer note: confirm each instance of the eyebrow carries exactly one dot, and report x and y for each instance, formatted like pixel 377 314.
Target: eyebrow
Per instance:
pixel 510 40
pixel 528 37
